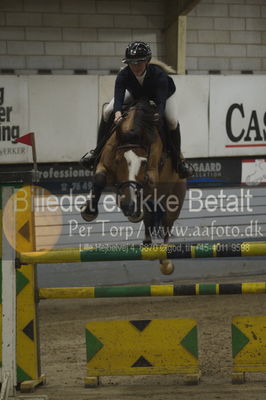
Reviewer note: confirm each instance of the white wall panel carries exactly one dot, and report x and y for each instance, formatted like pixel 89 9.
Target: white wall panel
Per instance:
pixel 63 113
pixel 106 90
pixel 219 116
pixel 192 99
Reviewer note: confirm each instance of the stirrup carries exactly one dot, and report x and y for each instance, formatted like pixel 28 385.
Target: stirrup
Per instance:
pixel 185 169
pixel 88 160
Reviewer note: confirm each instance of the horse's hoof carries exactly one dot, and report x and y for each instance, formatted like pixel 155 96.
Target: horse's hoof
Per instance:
pixel 87 214
pixel 167 267
pixel 146 243
pixel 89 217
pixel 136 219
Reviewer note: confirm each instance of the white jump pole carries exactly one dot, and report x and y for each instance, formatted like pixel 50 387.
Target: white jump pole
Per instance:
pixel 9 370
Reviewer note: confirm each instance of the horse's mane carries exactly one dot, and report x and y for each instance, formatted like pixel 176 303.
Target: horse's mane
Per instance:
pixel 144 120
pixel 145 126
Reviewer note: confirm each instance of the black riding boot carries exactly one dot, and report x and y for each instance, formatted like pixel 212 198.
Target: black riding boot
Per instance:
pixel 183 168
pixel 90 159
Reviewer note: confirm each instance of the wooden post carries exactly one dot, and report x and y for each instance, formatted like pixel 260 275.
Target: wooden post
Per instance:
pixel 9 371
pixel 181 44
pixel 176 44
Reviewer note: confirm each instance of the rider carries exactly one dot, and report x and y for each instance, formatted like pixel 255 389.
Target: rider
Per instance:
pixel 140 79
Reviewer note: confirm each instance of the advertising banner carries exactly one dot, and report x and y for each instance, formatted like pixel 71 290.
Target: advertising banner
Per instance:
pixel 237 116
pixel 14 121
pixel 66 177
pixel 215 172
pixel 62 111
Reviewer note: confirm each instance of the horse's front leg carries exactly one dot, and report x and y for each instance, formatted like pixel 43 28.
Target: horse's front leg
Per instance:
pixel 148 225
pixel 89 211
pixel 167 266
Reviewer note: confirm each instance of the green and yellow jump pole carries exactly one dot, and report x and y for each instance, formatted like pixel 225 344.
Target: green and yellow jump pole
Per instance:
pixel 196 289
pixel 171 251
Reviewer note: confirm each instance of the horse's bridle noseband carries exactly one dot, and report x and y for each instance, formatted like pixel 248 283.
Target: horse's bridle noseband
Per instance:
pixel 133 184
pixel 130 146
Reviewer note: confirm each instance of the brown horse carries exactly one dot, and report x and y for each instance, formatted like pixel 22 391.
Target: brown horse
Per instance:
pixel 147 185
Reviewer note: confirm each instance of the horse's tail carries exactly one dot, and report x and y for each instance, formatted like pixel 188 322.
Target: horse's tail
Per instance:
pixel 167 68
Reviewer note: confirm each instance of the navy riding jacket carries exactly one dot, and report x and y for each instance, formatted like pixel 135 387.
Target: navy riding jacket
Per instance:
pixel 157 86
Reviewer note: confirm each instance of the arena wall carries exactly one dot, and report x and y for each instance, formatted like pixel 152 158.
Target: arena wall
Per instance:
pixel 66 37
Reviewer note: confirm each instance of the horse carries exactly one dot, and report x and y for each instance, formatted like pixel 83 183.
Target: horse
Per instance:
pixel 135 162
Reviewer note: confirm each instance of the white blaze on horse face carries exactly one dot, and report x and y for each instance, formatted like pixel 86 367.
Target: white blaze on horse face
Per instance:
pixel 134 164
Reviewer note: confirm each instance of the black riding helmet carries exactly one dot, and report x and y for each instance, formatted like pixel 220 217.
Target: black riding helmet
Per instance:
pixel 137 52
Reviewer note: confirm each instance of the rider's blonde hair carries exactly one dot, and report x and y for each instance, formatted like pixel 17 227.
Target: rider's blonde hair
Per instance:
pixel 165 67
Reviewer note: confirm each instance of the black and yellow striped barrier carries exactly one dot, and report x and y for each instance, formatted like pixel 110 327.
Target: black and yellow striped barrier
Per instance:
pixel 153 290
pixel 171 251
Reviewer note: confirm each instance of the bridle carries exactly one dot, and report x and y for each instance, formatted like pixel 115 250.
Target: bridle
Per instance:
pixel 137 186
pixel 130 146
pixel 134 184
